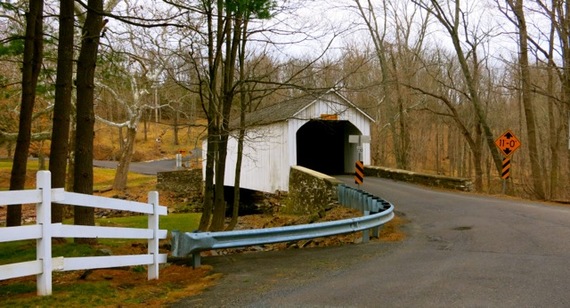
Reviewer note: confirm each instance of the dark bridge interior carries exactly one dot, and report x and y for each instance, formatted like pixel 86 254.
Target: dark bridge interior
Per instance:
pixel 322 145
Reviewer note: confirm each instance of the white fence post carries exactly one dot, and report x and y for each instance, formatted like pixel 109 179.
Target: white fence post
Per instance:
pixel 178 161
pixel 43 244
pixel 153 220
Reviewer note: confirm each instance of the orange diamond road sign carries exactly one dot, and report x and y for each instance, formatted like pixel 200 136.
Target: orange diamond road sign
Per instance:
pixel 508 143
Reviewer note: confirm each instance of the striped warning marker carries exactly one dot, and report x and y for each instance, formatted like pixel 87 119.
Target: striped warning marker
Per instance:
pixel 506 168
pixel 359 174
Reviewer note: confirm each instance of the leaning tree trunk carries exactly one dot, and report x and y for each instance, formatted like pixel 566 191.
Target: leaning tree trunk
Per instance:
pixel 120 181
pixel 33 53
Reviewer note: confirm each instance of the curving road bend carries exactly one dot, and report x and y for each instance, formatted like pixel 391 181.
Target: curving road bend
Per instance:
pixel 149 167
pixel 463 250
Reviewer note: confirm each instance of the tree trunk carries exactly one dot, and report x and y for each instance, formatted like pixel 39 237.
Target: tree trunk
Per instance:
pixel 537 178
pixel 83 173
pixel 403 143
pixel 478 158
pixel 120 181
pixel 219 209
pixel 553 128
pixel 145 123
pixel 209 181
pixel 554 157
pixel 235 205
pixel 33 54
pixel 241 136
pixel 176 115
pixel 59 149
pixel 233 38
pixel 212 115
pixel 404 134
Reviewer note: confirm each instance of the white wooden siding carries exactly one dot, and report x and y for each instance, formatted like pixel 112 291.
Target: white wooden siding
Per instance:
pixel 265 163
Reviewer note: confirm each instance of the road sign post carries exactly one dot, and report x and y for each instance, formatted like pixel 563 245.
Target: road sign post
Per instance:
pixel 359 169
pixel 359 174
pixel 507 143
pixel 506 168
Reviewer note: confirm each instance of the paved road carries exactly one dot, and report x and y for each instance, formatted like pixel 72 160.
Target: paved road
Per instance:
pixel 463 250
pixel 150 168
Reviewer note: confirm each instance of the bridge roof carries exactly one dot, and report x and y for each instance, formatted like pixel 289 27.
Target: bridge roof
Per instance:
pixel 288 109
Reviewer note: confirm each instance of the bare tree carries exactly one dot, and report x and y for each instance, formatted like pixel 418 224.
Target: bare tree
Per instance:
pixel 389 84
pixel 33 56
pixel 454 21
pixel 59 149
pixel 135 107
pixel 439 84
pixel 516 7
pixel 215 62
pixel 86 63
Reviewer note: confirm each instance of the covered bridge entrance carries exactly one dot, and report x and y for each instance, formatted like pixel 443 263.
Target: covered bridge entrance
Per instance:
pixel 322 145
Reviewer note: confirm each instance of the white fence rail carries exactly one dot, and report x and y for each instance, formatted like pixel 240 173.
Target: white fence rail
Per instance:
pixel 43 232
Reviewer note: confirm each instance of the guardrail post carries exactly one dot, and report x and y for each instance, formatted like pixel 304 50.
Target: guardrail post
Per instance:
pixel 340 194
pixel 196 258
pixel 354 199
pixel 375 207
pixel 366 232
pixel 43 244
pixel 153 220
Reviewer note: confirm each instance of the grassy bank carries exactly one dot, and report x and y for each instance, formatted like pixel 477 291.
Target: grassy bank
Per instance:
pixel 102 287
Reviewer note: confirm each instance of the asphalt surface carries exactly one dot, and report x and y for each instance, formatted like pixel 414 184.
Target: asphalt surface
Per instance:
pixel 150 167
pixel 462 250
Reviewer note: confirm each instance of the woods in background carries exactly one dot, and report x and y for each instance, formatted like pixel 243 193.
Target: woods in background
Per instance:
pixel 443 79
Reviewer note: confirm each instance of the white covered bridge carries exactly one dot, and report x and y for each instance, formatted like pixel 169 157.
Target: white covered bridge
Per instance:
pixel 312 132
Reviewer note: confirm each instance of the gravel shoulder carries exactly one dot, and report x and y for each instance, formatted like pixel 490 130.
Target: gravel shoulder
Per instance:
pixel 248 277
pixel 251 274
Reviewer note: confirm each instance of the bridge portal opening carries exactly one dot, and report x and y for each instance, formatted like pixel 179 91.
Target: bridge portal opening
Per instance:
pixel 322 145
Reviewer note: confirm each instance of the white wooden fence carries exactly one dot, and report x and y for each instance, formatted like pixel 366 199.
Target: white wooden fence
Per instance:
pixel 43 232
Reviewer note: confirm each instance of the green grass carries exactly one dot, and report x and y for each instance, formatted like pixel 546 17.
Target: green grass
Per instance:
pixel 21 251
pixel 17 288
pixel 185 222
pixel 92 294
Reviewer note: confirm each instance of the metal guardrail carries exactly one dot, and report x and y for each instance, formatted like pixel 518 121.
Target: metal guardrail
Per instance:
pixel 360 200
pixel 377 212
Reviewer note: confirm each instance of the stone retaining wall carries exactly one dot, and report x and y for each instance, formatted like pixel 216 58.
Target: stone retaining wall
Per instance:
pixel 419 178
pixel 181 182
pixel 310 192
